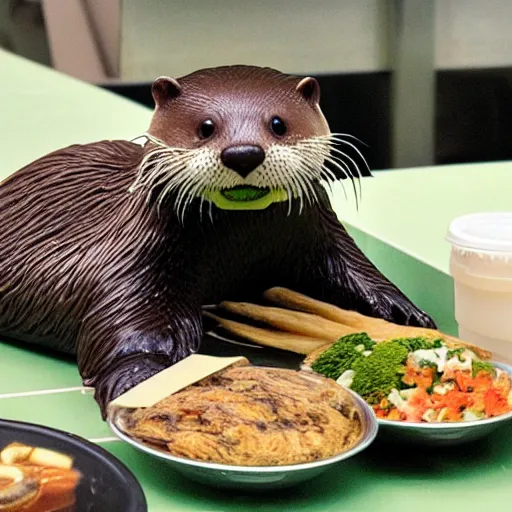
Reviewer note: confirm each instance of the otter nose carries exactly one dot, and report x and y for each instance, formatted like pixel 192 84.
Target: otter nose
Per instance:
pixel 243 159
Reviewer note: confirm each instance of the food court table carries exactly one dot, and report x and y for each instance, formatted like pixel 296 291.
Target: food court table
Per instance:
pixel 400 225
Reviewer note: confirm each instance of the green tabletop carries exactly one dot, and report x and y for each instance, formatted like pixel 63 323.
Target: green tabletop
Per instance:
pixel 401 225
pixel 404 216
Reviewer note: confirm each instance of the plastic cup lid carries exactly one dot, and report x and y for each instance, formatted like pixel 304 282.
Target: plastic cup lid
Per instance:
pixel 489 231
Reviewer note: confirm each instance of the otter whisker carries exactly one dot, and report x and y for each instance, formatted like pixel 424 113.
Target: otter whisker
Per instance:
pixel 314 200
pixel 338 140
pixel 157 164
pixel 210 212
pixel 155 140
pixel 297 190
pixel 161 164
pixel 200 188
pixel 334 138
pixel 163 158
pixel 184 198
pixel 354 163
pixel 337 158
pixel 330 184
pixel 156 154
pixel 298 179
pixel 168 176
pixel 202 199
pixel 328 172
pixel 341 165
pixel 307 170
pixel 172 177
pixel 311 186
pixel 169 159
pixel 271 171
pixel 273 181
pixel 171 185
pixel 229 181
pixel 142 173
pixel 349 136
pixel 165 168
pixel 338 164
pixel 160 182
pixel 317 164
pixel 319 146
pixel 314 166
pixel 306 182
pixel 290 199
pixel 190 192
pixel 329 177
pixel 321 149
pixel 294 190
pixel 185 182
pixel 191 173
pixel 194 185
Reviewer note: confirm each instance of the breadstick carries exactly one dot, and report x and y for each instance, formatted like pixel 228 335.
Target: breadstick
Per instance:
pixel 377 328
pixel 282 340
pixel 300 302
pixel 304 324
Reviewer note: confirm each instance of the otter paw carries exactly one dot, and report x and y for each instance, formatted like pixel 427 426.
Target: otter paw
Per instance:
pixel 402 312
pixel 124 374
pixel 412 316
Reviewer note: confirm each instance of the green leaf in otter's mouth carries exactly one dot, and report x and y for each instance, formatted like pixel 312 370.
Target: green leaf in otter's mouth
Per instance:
pixel 245 197
pixel 245 193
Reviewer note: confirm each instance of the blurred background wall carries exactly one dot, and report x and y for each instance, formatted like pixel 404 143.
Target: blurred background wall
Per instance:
pixel 418 81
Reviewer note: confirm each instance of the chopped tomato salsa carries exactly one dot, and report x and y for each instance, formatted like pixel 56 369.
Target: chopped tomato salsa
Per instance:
pixel 450 395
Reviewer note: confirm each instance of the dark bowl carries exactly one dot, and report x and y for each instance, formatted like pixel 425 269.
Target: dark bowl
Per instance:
pixel 106 482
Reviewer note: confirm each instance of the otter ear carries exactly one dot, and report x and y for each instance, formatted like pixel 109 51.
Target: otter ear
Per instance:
pixel 309 89
pixel 164 89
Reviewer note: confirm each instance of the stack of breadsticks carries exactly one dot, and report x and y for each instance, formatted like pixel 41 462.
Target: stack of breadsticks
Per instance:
pixel 303 325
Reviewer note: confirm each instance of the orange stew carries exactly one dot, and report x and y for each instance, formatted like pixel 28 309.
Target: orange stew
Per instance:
pixel 34 479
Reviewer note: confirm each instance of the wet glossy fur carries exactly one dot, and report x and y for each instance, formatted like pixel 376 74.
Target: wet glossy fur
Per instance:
pixel 88 268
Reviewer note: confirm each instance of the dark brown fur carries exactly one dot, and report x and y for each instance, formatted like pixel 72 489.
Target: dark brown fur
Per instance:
pixel 88 268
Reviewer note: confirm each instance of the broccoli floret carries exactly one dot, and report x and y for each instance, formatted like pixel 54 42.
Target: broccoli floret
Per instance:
pixel 342 355
pixel 482 366
pixel 376 375
pixel 419 343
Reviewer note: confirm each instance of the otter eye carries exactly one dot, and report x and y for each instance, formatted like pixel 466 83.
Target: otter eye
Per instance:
pixel 278 126
pixel 206 129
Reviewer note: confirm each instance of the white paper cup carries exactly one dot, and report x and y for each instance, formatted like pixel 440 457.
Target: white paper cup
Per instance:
pixel 481 267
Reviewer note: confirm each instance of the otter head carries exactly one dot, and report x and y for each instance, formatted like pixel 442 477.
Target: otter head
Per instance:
pixel 240 137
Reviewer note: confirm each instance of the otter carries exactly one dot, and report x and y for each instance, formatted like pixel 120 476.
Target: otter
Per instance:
pixel 110 249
